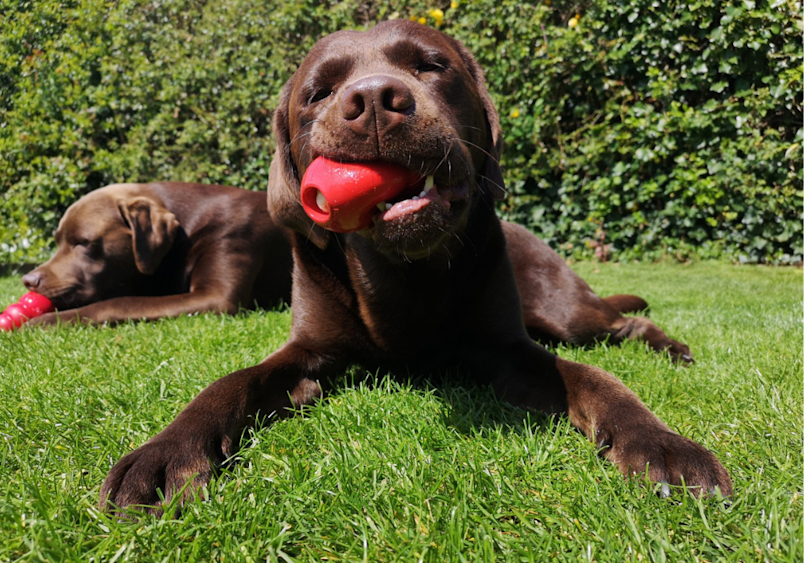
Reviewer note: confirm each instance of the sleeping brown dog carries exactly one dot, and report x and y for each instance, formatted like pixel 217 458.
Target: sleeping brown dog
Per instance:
pixel 145 251
pixel 425 291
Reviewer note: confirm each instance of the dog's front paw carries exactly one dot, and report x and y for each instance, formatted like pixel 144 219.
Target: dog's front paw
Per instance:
pixel 149 477
pixel 670 459
pixel 48 319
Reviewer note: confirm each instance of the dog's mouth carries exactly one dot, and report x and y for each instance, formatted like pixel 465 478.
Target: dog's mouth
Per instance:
pixel 421 224
pixel 409 203
pixel 358 196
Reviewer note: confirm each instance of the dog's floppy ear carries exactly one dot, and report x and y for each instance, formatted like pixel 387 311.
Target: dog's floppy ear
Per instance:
pixel 284 184
pixel 491 171
pixel 153 230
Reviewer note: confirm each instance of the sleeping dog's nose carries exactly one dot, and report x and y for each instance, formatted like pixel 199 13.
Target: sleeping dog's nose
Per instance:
pixel 31 280
pixel 376 104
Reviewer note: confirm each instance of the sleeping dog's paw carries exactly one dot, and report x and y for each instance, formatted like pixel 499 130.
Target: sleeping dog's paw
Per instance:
pixel 152 475
pixel 669 458
pixel 48 319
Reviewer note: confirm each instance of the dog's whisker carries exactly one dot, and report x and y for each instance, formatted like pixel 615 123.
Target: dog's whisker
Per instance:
pixel 483 150
pixel 501 187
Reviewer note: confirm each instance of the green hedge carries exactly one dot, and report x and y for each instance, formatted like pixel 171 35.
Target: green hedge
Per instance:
pixel 633 131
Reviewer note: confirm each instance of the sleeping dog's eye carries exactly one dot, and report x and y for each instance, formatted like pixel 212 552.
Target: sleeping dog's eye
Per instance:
pixel 90 245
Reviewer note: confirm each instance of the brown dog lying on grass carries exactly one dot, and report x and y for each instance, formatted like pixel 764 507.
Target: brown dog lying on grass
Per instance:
pixel 145 251
pixel 422 291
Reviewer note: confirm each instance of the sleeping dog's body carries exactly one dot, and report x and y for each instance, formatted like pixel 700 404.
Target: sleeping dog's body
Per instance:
pixel 146 251
pixel 428 286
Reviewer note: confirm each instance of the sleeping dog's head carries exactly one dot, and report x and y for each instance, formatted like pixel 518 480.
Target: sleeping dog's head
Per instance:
pixel 401 93
pixel 109 243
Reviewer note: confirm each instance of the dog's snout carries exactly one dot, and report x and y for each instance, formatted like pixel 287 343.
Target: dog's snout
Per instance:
pixel 31 280
pixel 376 103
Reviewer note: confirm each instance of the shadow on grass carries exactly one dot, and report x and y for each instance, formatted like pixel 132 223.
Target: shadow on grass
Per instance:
pixel 472 408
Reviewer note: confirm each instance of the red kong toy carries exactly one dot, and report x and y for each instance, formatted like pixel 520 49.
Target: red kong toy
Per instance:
pixel 343 196
pixel 29 306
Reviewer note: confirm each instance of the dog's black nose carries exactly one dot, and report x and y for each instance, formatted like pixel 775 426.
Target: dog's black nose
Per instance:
pixel 31 280
pixel 376 104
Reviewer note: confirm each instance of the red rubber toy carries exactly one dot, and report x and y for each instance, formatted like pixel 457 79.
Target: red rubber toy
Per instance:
pixel 29 306
pixel 17 313
pixel 36 304
pixel 342 196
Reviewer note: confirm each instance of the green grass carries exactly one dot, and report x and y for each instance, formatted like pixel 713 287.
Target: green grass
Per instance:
pixel 399 471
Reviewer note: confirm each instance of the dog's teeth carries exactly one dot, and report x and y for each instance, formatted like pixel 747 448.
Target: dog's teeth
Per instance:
pixel 382 206
pixel 321 201
pixel 415 198
pixel 423 193
pixel 428 183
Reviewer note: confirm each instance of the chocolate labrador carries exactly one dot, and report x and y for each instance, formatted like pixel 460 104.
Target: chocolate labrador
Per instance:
pixel 145 251
pixel 427 287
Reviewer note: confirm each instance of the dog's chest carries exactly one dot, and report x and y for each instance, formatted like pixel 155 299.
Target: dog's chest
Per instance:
pixel 406 313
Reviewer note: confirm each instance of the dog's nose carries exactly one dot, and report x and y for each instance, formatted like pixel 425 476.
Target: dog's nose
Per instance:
pixel 376 104
pixel 31 280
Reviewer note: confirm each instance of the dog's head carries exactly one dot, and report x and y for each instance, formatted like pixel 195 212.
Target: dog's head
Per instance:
pixel 106 243
pixel 404 94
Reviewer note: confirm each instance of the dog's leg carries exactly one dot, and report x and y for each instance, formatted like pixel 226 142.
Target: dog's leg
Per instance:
pixel 208 430
pixel 642 328
pixel 120 309
pixel 558 306
pixel 623 429
pixel 626 303
pixel 593 319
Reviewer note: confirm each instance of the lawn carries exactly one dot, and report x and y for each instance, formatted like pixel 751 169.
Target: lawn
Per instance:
pixel 394 470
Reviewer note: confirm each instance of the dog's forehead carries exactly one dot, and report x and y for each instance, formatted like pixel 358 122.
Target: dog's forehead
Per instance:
pixel 91 216
pixel 391 41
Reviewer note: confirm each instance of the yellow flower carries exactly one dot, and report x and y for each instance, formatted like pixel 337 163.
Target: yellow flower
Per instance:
pixel 573 22
pixel 514 113
pixel 453 4
pixel 437 15
pixel 548 3
pixel 422 20
pixel 414 18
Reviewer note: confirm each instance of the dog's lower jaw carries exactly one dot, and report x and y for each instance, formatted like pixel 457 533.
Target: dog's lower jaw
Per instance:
pixel 431 232
pixel 425 234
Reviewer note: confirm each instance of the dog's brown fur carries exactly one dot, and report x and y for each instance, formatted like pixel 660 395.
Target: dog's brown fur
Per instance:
pixel 430 291
pixel 145 251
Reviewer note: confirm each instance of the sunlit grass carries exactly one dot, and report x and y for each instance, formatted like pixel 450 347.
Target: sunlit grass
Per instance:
pixel 388 470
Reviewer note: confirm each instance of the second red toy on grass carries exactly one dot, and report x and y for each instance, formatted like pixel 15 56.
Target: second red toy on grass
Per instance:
pixel 30 305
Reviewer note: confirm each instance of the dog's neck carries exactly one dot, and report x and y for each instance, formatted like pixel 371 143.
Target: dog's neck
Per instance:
pixel 458 254
pixel 407 296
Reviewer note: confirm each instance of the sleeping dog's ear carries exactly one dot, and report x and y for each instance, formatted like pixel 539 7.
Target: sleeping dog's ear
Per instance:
pixel 153 230
pixel 491 171
pixel 284 184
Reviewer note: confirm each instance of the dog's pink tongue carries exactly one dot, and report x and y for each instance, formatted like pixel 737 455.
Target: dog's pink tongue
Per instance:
pixel 410 206
pixel 342 196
